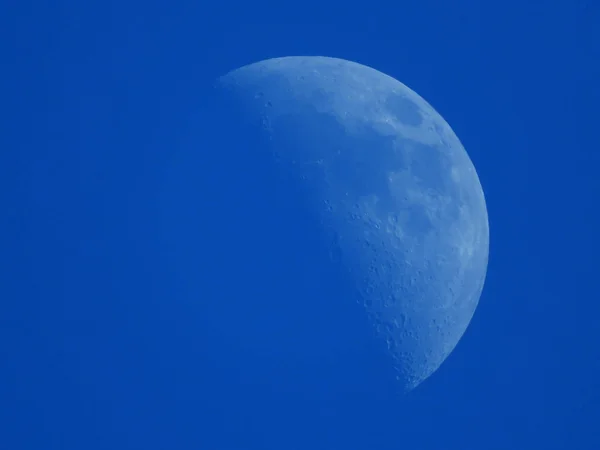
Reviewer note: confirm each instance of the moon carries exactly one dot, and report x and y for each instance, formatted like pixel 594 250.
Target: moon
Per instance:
pixel 392 188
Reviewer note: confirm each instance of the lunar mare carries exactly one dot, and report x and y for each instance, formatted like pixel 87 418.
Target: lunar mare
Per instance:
pixel 391 184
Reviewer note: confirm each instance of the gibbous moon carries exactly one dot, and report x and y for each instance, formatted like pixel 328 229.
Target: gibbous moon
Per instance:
pixel 390 184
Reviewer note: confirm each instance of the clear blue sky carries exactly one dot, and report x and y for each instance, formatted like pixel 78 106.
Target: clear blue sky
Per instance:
pixel 103 340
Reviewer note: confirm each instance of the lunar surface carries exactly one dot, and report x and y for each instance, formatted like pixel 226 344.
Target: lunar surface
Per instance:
pixel 390 185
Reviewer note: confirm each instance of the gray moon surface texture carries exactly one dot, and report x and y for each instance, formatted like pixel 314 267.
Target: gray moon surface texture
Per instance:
pixel 392 186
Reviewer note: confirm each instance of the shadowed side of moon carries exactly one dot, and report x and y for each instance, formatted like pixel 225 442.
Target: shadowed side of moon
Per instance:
pixel 395 193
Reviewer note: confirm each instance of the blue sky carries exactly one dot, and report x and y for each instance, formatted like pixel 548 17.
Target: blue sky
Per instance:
pixel 103 325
